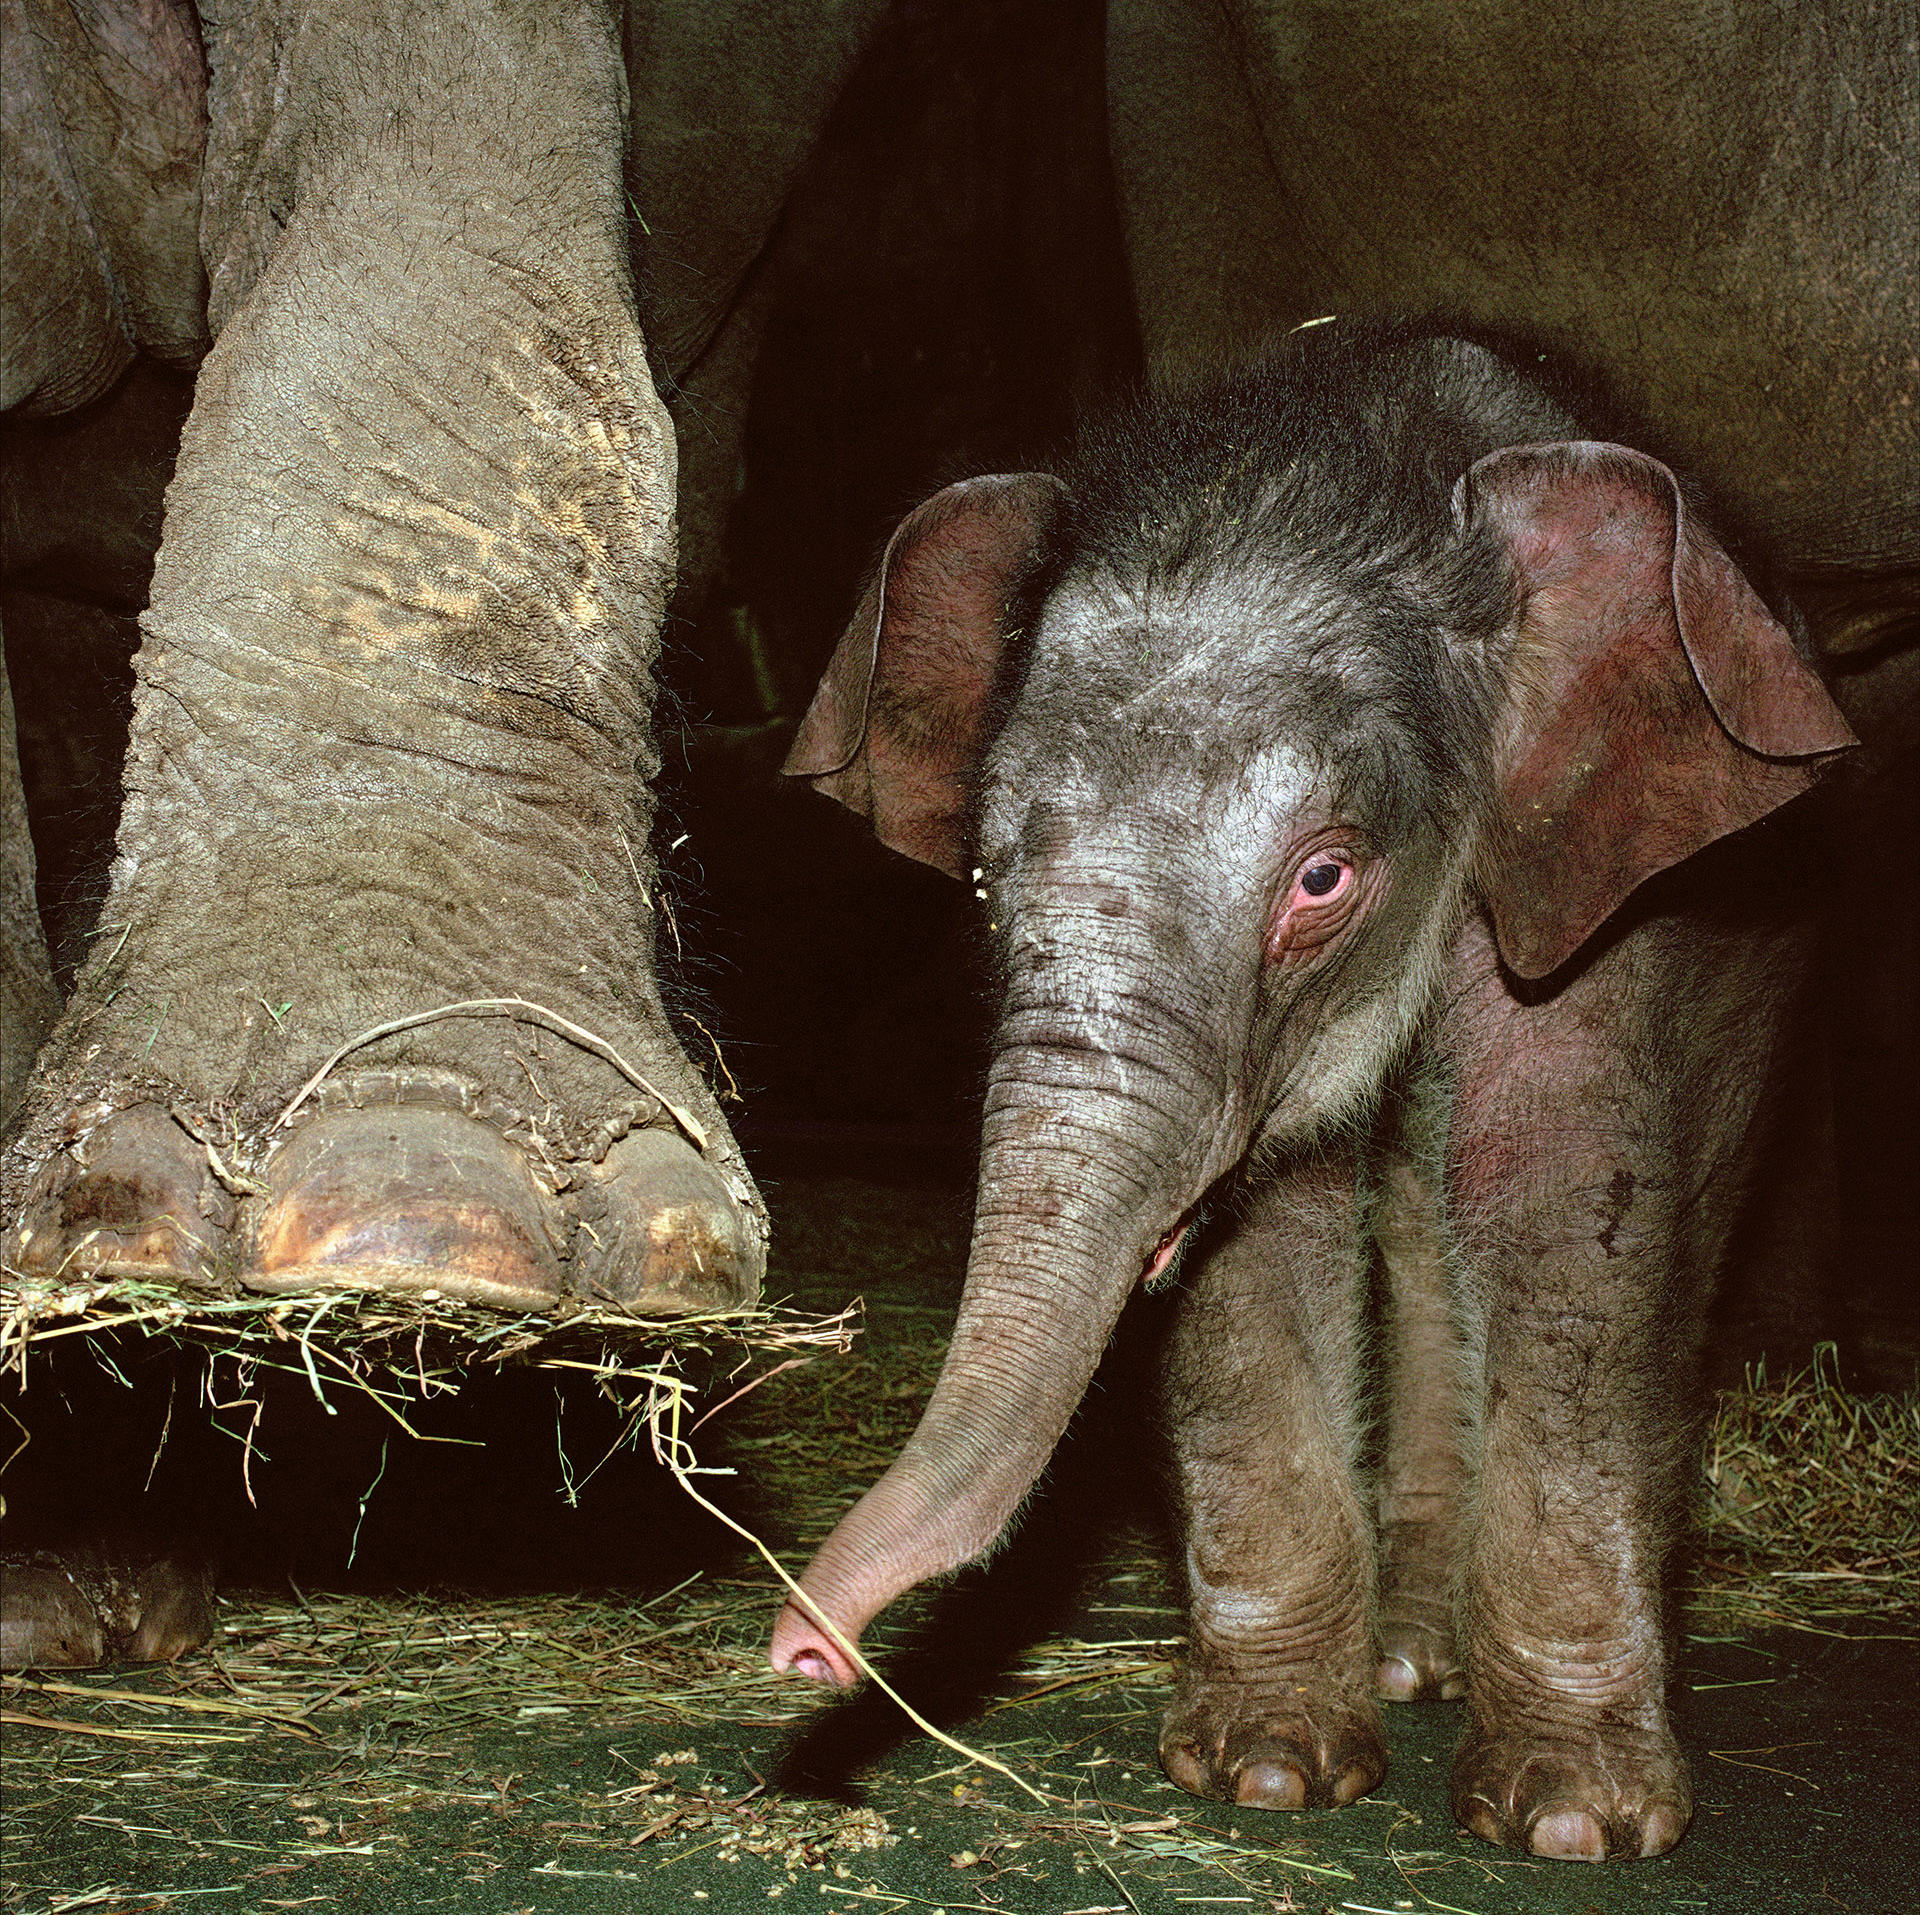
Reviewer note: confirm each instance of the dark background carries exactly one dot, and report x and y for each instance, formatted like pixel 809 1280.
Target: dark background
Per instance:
pixel 948 295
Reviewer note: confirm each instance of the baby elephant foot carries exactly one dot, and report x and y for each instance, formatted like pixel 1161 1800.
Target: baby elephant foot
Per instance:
pixel 1271 1746
pixel 1617 1794
pixel 1418 1661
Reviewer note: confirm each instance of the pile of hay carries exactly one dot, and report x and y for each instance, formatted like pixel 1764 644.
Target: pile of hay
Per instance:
pixel 1812 1516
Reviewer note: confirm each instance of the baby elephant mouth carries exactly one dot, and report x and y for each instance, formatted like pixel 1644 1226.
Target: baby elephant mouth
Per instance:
pixel 1160 1267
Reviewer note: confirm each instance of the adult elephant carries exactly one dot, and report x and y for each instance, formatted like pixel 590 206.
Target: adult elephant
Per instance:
pixel 391 737
pixel 1714 214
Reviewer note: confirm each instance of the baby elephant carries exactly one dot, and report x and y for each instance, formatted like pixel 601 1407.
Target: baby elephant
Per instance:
pixel 1342 754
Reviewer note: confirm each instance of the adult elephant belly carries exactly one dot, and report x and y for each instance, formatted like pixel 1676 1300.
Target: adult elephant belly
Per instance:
pixel 1714 213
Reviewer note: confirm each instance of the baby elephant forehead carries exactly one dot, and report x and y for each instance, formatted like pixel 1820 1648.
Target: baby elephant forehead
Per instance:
pixel 1258 632
pixel 1097 789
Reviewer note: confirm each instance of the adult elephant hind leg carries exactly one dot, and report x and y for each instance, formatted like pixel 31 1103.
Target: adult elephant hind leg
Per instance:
pixel 28 1001
pixel 1275 1708
pixel 1418 1505
pixel 387 794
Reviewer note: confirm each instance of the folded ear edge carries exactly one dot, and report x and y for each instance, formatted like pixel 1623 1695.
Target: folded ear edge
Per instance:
pixel 1726 737
pixel 927 630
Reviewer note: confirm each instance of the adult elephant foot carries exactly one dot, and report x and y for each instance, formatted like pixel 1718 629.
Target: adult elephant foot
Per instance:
pixel 1608 1791
pixel 404 1199
pixel 107 1602
pixel 393 1128
pixel 371 1004
pixel 1273 1744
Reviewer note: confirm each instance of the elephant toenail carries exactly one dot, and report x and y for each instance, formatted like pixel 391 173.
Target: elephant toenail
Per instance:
pixel 402 1200
pixel 1663 1828
pixel 660 1234
pixel 1481 1819
pixel 1270 1785
pixel 1568 1835
pixel 1397 1679
pixel 1184 1768
pixel 136 1199
pixel 1351 1784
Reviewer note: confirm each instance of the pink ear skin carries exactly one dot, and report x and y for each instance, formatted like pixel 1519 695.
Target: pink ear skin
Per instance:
pixel 898 723
pixel 1658 706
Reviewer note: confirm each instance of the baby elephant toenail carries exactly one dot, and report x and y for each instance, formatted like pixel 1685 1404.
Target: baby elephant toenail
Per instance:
pixel 1568 1835
pixel 1184 1768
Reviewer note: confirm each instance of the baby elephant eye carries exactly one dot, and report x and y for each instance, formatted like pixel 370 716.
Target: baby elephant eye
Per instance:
pixel 1315 908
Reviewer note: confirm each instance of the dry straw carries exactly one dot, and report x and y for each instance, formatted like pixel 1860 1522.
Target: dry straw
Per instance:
pixel 396 1350
pixel 1810 1520
pixel 1812 1516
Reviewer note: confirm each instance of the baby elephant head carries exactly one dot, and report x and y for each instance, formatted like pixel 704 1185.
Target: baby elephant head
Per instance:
pixel 1231 724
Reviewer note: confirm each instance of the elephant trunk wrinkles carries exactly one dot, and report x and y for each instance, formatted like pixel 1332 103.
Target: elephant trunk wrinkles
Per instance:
pixel 1072 1204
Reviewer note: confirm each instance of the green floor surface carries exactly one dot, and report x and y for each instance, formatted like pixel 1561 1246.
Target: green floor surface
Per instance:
pixel 627 1752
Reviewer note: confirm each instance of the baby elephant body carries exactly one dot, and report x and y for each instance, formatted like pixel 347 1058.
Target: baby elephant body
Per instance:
pixel 1369 779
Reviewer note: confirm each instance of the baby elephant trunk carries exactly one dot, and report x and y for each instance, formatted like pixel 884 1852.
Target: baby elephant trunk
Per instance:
pixel 1057 1246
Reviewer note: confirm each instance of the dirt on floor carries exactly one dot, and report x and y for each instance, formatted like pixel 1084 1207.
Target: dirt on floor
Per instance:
pixel 413 1734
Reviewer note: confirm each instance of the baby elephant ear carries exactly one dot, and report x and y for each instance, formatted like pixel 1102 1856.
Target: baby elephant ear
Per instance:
pixel 898 723
pixel 1656 703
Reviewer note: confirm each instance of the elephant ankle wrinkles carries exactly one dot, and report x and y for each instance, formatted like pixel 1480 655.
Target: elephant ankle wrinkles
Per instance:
pixel 1267 1625
pixel 1511 1670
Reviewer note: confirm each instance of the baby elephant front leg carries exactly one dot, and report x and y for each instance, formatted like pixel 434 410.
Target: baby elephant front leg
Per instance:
pixel 1568 1751
pixel 1275 1709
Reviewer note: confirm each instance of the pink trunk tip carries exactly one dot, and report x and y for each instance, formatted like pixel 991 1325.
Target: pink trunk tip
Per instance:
pixel 801 1647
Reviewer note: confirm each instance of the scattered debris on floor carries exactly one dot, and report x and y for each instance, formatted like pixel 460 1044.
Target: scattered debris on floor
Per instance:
pixel 490 1752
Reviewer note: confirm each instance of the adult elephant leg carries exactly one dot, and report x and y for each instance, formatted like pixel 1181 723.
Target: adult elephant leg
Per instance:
pixel 1419 1497
pixel 387 808
pixel 1276 1709
pixel 28 1001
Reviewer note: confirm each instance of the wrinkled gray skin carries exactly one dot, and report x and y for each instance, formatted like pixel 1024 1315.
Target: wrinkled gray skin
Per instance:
pixel 392 735
pixel 1347 794
pixel 391 742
